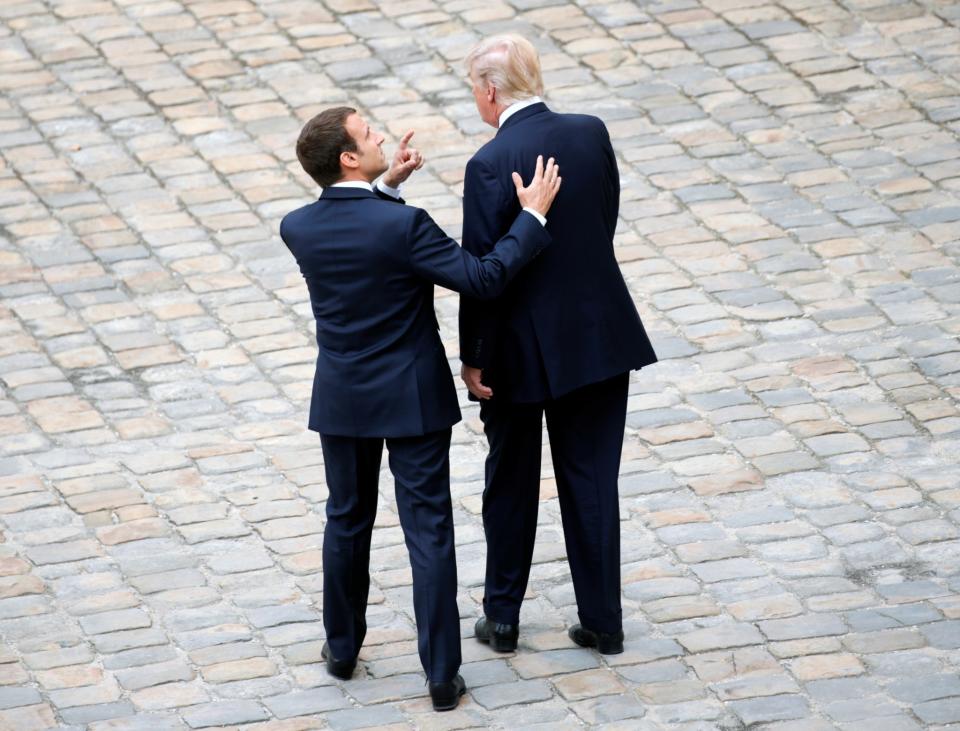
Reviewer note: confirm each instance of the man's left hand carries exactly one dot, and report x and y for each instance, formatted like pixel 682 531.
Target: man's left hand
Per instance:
pixel 472 377
pixel 405 160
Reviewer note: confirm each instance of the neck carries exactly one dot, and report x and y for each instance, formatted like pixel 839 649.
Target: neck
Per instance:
pixel 354 176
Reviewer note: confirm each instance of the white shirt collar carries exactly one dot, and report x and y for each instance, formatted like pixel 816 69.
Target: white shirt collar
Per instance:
pixel 516 107
pixel 353 184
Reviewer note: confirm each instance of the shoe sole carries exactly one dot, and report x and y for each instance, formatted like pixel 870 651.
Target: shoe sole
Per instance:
pixel 498 645
pixel 603 650
pixel 343 673
pixel 450 705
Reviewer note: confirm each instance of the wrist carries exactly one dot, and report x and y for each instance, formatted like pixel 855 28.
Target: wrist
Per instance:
pixel 541 217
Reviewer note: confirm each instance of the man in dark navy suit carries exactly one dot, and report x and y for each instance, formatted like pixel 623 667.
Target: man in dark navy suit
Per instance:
pixel 560 341
pixel 370 264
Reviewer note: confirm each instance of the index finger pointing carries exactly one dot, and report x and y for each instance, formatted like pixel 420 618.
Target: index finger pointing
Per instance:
pixel 406 138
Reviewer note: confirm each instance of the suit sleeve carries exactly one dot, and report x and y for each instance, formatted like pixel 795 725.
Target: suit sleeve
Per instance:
pixel 611 183
pixel 387 197
pixel 486 205
pixel 436 257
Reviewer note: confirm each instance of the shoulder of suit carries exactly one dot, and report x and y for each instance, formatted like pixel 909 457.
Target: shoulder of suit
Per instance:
pixel 583 120
pixel 293 216
pixel 569 120
pixel 302 209
pixel 383 207
pixel 485 153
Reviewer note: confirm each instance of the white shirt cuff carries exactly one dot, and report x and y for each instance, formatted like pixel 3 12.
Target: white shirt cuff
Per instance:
pixel 390 191
pixel 537 215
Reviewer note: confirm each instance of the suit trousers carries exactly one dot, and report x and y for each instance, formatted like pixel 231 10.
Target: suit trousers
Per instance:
pixel 421 471
pixel 586 439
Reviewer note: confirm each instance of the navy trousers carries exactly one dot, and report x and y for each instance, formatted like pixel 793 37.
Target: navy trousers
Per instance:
pixel 421 471
pixel 586 440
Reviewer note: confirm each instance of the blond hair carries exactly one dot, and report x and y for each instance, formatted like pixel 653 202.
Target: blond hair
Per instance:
pixel 510 64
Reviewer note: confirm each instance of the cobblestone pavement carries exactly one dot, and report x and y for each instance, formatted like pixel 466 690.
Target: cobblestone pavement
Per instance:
pixel 790 492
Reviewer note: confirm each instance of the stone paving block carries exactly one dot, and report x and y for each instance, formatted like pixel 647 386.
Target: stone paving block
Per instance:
pixel 771 708
pixel 720 637
pixel 303 703
pixel 811 625
pixel 645 650
pixel 140 722
pixel 924 688
pixel 58 657
pixel 224 713
pixel 943 635
pixel 898 722
pixel 29 718
pixel 944 711
pixel 610 709
pixel 155 674
pixel 14 697
pixel 509 694
pixel 169 696
pixel 755 687
pixel 99 712
pixel 892 616
pixel 553 662
pixel 884 641
pixel 123 619
pixel 372 717
pixel 860 708
pixel 139 657
pixel 128 639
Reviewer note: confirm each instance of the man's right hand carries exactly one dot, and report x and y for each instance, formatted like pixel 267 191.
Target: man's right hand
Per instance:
pixel 405 160
pixel 543 188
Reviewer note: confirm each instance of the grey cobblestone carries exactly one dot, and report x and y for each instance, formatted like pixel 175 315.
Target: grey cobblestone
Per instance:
pixel 788 228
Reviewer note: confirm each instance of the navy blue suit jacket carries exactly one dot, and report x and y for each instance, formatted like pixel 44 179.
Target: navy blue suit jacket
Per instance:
pixel 568 319
pixel 370 264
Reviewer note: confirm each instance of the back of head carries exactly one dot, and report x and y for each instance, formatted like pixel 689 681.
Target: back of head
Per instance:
pixel 321 141
pixel 509 63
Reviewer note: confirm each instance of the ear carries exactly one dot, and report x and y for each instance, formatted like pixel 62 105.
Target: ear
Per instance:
pixel 492 94
pixel 349 160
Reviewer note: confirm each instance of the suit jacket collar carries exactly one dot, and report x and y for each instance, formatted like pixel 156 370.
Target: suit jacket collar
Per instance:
pixel 332 193
pixel 523 114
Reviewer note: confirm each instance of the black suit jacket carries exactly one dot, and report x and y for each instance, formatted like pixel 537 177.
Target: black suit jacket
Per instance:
pixel 370 264
pixel 568 319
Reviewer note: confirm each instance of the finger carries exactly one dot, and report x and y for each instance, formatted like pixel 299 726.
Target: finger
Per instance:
pixel 479 390
pixel 551 172
pixel 538 173
pixel 552 168
pixel 405 139
pixel 517 181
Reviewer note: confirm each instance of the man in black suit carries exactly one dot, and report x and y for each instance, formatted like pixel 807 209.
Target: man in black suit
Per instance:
pixel 370 264
pixel 560 341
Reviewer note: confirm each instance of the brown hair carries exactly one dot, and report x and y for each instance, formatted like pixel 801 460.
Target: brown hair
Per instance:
pixel 321 141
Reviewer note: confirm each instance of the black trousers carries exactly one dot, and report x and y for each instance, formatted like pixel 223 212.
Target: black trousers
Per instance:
pixel 586 440
pixel 421 471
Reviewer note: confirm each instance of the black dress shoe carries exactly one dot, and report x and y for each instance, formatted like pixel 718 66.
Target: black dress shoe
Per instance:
pixel 606 644
pixel 446 694
pixel 501 637
pixel 342 669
